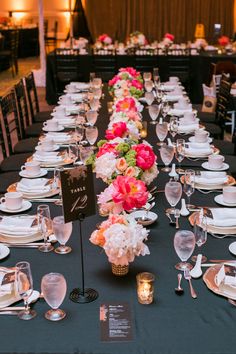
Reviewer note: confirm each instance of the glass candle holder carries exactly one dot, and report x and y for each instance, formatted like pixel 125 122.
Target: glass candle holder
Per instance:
pixel 110 107
pixel 143 131
pixel 145 287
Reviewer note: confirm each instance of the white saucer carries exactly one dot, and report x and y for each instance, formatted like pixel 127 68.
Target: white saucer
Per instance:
pixel 152 217
pixel 4 251
pixel 34 296
pixel 54 148
pixel 219 199
pixel 42 173
pixel 223 168
pixel 232 248
pixel 25 206
pixel 192 139
pixel 59 129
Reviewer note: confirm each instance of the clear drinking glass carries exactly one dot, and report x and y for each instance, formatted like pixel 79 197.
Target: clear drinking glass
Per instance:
pixel 161 132
pixel 184 244
pixel 53 287
pixel 147 76
pixel 149 97
pixel 79 133
pixel 173 193
pixel 165 108
pixel 85 153
pixel 62 232
pixel 154 111
pixel 148 85
pixel 189 188
pixel 91 134
pixel 156 76
pixel 167 154
pixel 173 127
pixel 179 153
pixel 200 232
pixel 45 226
pixel 24 285
pixel 73 152
pixel 92 117
pixel 94 104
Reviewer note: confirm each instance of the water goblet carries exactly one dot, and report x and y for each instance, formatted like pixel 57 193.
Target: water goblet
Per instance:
pixel 24 287
pixel 147 76
pixel 179 153
pixel 167 154
pixel 85 153
pixel 53 287
pixel 154 110
pixel 149 97
pixel 184 244
pixel 200 232
pixel 156 76
pixel 189 186
pixel 62 232
pixel 161 132
pixel 97 83
pixel 173 193
pixel 159 94
pixel 148 85
pixel 94 104
pixel 91 117
pixel 45 226
pixel 91 134
pixel 79 133
pixel 165 108
pixel 73 152
pixel 173 127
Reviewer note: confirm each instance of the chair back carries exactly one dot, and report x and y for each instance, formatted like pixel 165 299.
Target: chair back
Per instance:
pixel 22 106
pixel 10 122
pixel 104 66
pixel 226 67
pixel 32 95
pixel 179 65
pixel 222 102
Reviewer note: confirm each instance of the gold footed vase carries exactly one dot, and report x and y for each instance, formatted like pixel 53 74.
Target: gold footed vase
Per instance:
pixel 119 270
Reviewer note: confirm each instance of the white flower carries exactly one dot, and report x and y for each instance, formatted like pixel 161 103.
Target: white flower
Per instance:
pixel 149 175
pixel 105 166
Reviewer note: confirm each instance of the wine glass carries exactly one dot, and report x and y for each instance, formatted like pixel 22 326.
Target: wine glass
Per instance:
pixel 173 126
pixel 53 287
pixel 149 97
pixel 161 132
pixel 159 94
pixel 200 232
pixel 24 285
pixel 184 244
pixel 91 117
pixel 165 108
pixel 73 152
pixel 85 153
pixel 156 76
pixel 173 193
pixel 91 134
pixel 62 232
pixel 154 110
pixel 97 83
pixel 179 152
pixel 147 76
pixel 45 226
pixel 94 104
pixel 79 133
pixel 167 154
pixel 148 85
pixel 189 187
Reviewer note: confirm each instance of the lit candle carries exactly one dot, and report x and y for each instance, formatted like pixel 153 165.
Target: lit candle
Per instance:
pixel 145 288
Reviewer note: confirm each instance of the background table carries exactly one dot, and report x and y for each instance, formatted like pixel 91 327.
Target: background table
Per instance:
pixel 171 325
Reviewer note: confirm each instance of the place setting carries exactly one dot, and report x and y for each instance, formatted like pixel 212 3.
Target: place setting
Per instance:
pixel 53 125
pixel 32 170
pixel 14 203
pixel 51 158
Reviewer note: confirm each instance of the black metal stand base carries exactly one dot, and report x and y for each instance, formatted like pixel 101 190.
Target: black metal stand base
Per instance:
pixel 89 295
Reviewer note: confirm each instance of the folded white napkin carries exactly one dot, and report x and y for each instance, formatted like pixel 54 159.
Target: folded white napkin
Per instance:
pixel 59 137
pixel 6 288
pixel 222 217
pixel 18 225
pixel 76 97
pixel 173 97
pixel 188 128
pixel 211 177
pixel 179 112
pixel 36 185
pixel 63 120
pixel 81 85
pixel 168 87
pixel 47 156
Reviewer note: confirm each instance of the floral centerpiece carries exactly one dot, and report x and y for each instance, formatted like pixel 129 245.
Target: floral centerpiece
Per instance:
pixel 120 157
pixel 223 41
pixel 104 39
pixel 124 194
pixel 128 82
pixel 127 104
pixel 122 239
pixel 168 39
pixel 137 38
pixel 124 124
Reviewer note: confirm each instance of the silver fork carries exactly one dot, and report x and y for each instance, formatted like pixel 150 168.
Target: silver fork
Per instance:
pixel 187 276
pixel 220 236
pixel 208 192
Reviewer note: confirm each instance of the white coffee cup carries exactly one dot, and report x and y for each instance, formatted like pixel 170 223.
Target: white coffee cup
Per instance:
pixel 229 194
pixel 51 125
pixel 12 200
pixel 47 144
pixel 31 168
pixel 190 116
pixel 215 161
pixel 201 136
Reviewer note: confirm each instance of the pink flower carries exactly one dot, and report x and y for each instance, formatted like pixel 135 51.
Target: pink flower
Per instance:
pixel 170 36
pixel 133 116
pixel 126 105
pixel 223 41
pixel 107 148
pixel 104 38
pixel 145 157
pixel 121 164
pixel 130 192
pixel 133 72
pixel 130 172
pixel 118 130
pixel 137 84
pixel 114 80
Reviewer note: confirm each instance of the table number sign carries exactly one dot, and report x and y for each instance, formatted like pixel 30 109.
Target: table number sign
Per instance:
pixel 77 193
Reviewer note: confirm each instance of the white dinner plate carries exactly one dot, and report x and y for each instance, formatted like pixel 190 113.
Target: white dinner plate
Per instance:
pixel 232 248
pixel 54 148
pixel 25 206
pixel 4 251
pixel 59 129
pixel 42 173
pixel 192 140
pixel 219 199
pixel 223 168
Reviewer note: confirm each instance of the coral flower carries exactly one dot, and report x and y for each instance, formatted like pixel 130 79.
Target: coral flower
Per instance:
pixel 121 164
pixel 107 148
pixel 126 105
pixel 145 157
pixel 118 130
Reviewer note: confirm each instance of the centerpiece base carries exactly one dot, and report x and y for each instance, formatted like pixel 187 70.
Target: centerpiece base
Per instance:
pixel 119 270
pixel 83 297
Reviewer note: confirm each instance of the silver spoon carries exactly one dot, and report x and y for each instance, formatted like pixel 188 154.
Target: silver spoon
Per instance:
pixel 179 290
pixel 145 215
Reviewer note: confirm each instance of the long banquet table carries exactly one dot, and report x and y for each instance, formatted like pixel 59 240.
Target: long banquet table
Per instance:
pixel 171 325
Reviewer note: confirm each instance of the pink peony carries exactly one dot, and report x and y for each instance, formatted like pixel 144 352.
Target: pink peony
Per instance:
pixel 137 84
pixel 223 41
pixel 130 192
pixel 114 80
pixel 133 116
pixel 126 105
pixel 169 36
pixel 145 157
pixel 104 38
pixel 118 130
pixel 132 72
pixel 107 148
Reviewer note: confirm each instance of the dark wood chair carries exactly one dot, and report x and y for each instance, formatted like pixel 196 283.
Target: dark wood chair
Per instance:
pixel 179 65
pixel 50 41
pixel 104 66
pixel 10 53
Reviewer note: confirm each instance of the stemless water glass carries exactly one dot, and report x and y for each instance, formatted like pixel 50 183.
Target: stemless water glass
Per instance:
pixel 154 111
pixel 24 285
pixel 179 153
pixel 184 244
pixel 62 232
pixel 91 134
pixel 173 193
pixel 45 226
pixel 149 97
pixel 91 117
pixel 200 232
pixel 53 287
pixel 189 187
pixel 161 132
pixel 167 154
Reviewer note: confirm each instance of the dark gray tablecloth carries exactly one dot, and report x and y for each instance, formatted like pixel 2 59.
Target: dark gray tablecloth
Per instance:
pixel 171 325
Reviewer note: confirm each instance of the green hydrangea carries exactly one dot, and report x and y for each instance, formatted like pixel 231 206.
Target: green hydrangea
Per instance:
pixel 123 147
pixel 101 142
